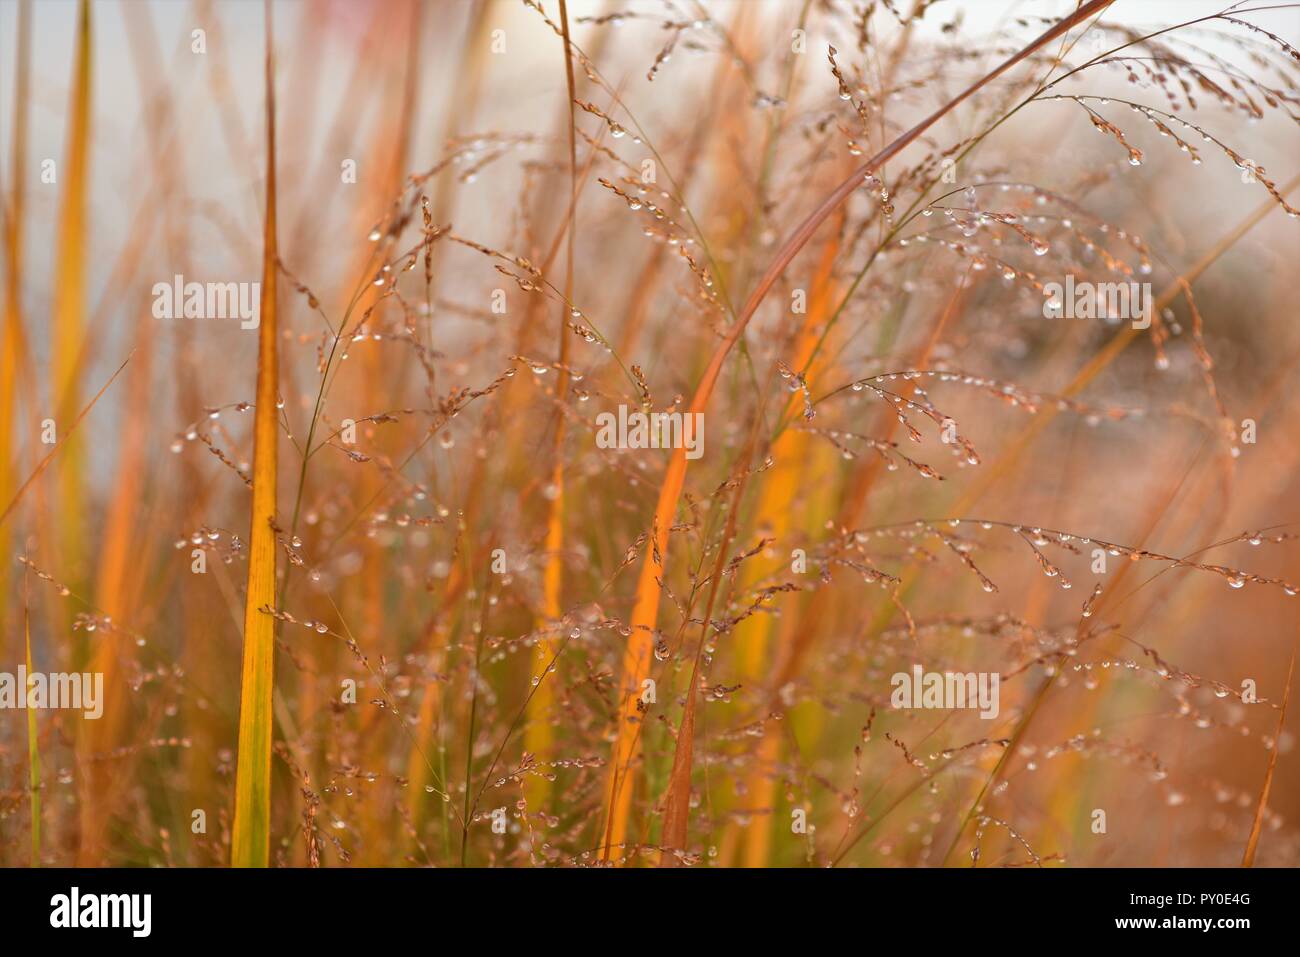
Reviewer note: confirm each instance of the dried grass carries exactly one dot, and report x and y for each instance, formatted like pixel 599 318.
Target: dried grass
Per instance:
pixel 481 637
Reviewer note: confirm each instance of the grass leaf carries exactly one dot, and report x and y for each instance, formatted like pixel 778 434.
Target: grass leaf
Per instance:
pixel 70 292
pixel 251 840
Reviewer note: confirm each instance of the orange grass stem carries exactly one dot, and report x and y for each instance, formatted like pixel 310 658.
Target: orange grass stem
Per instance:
pixel 636 657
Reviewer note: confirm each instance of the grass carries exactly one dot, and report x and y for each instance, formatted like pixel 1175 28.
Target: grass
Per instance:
pixel 251 836
pixel 70 292
pixel 1257 826
pixel 538 738
pixel 828 231
pixel 33 746
pixel 644 615
pixel 14 340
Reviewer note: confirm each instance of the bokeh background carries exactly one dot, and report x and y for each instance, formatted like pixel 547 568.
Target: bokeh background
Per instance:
pixel 391 575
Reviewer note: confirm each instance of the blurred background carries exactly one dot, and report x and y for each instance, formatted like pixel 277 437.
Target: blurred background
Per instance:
pixel 133 142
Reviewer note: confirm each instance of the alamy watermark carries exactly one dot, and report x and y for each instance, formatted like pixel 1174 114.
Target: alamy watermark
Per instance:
pixel 651 430
pixel 1119 301
pixel 58 690
pixel 947 689
pixel 75 909
pixel 179 299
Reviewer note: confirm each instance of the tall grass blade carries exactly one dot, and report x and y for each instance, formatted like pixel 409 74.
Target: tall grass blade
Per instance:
pixel 251 839
pixel 70 293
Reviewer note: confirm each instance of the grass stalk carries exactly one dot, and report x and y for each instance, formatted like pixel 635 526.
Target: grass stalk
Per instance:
pixel 636 658
pixel 1257 826
pixel 11 345
pixel 33 748
pixel 537 733
pixel 251 839
pixel 69 304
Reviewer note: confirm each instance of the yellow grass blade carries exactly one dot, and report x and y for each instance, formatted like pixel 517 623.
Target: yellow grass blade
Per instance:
pixel 790 455
pixel 251 840
pixel 70 292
